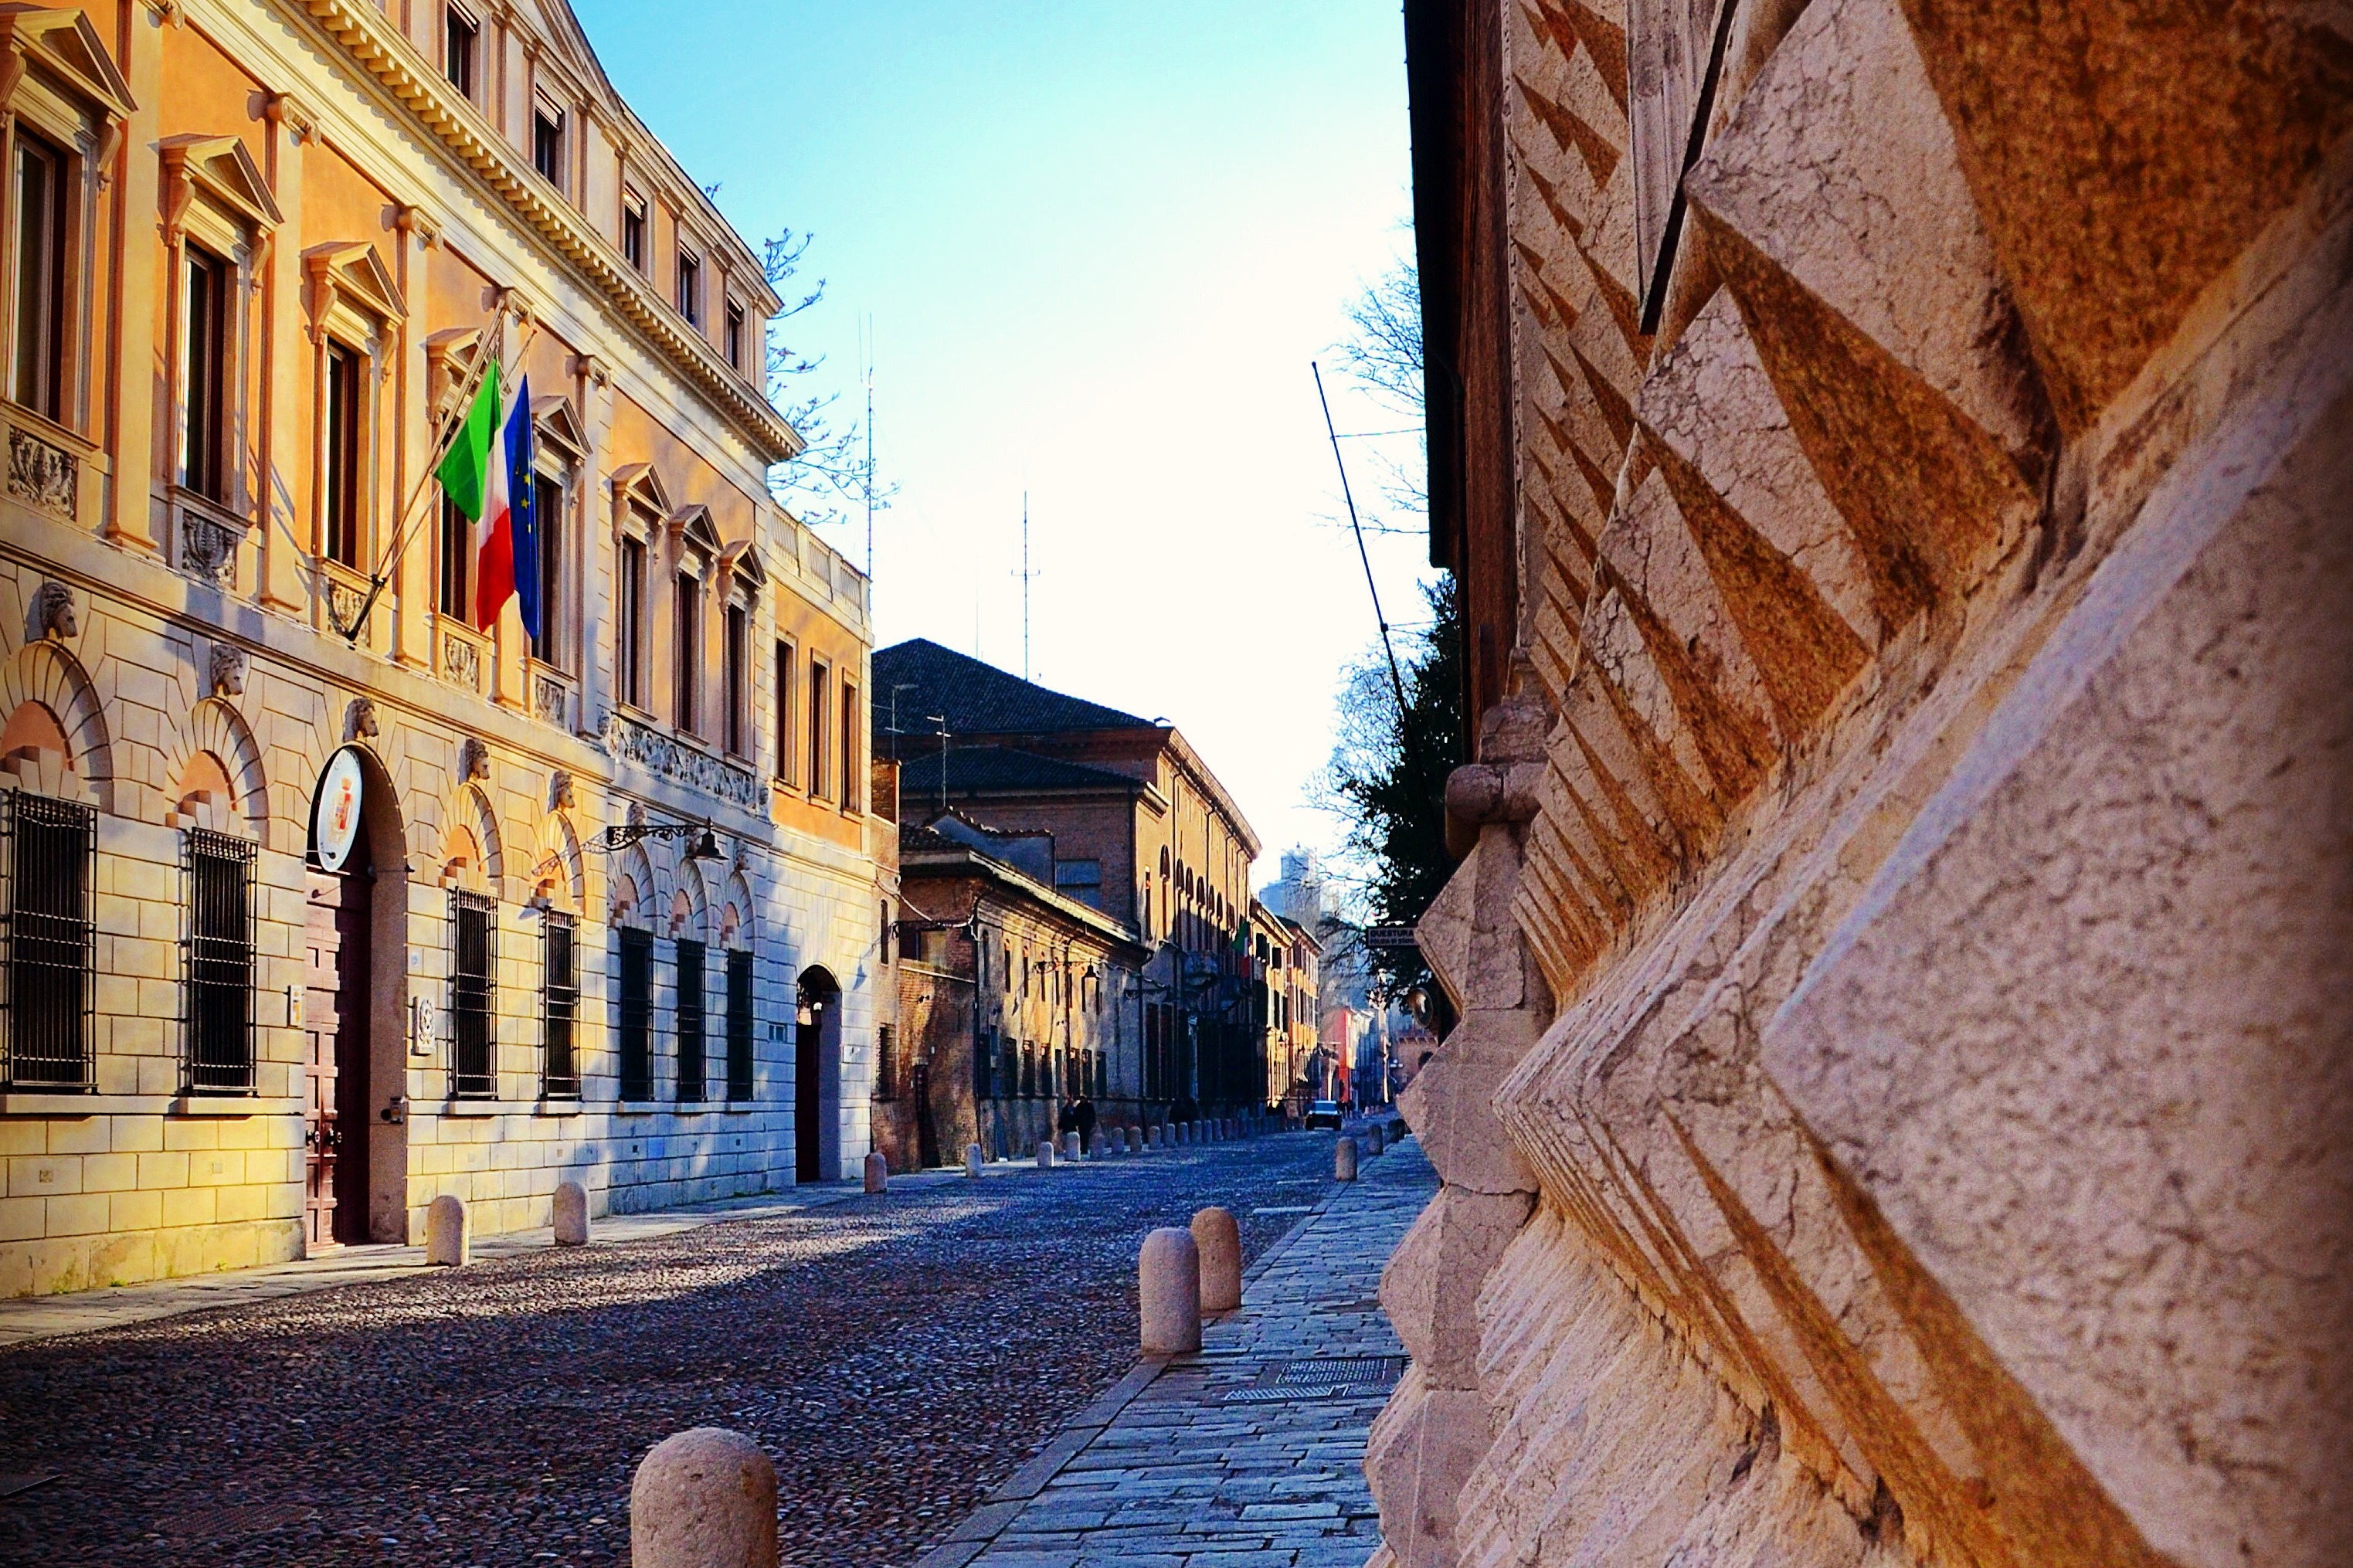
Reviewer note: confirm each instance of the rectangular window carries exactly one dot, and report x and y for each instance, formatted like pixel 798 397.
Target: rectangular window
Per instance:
pixel 633 233
pixel 457 556
pixel 41 170
pixel 735 337
pixel 559 1007
pixel 204 376
pixel 740 1085
pixel 460 35
pixel 50 941
pixel 637 1032
pixel 690 1022
pixel 220 962
pixel 886 1063
pixel 345 396
pixel 547 144
pixel 850 790
pixel 473 1069
pixel 739 637
pixel 630 651
pixel 819 684
pixel 690 288
pixel 784 712
pixel 547 519
pixel 686 659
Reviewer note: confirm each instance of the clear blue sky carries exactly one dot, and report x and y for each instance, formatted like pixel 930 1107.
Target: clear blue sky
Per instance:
pixel 1099 244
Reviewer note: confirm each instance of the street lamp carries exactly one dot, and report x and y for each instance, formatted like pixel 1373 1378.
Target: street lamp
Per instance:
pixel 703 845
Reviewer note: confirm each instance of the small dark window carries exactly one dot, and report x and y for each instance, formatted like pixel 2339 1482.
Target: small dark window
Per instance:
pixel 850 790
pixel 547 144
pixel 818 708
pixel 735 335
pixel 690 288
pixel 740 1085
pixel 457 556
pixel 1028 1071
pixel 690 1022
pixel 886 1063
pixel 462 34
pixel 739 638
pixel 636 1036
pixel 686 659
pixel 40 300
pixel 50 941
pixel 559 1007
pixel 220 962
pixel 344 399
pixel 473 1072
pixel 984 1062
pixel 784 712
pixel 547 517
pixel 633 235
pixel 204 370
pixel 630 653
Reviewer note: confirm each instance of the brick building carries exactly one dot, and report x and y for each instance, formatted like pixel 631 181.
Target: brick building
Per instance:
pixel 1285 997
pixel 258 252
pixel 1142 831
pixel 1013 997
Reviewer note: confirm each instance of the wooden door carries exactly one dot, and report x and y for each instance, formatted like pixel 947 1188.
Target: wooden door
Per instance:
pixel 335 1031
pixel 321 1029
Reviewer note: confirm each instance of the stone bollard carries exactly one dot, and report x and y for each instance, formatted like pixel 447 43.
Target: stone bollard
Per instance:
pixel 1045 1154
pixel 1070 1147
pixel 703 1498
pixel 878 1172
pixel 1168 1289
pixel 1218 1240
pixel 973 1160
pixel 571 1215
pixel 448 1233
pixel 1344 1160
pixel 1136 1139
pixel 1373 1139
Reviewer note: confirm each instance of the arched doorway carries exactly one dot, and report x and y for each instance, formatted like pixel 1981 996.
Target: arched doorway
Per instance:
pixel 355 1009
pixel 817 1080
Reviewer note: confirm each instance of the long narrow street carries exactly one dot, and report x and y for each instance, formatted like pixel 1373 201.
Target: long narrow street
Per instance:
pixel 899 1357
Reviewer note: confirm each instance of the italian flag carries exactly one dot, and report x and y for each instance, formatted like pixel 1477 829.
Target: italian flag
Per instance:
pixel 487 475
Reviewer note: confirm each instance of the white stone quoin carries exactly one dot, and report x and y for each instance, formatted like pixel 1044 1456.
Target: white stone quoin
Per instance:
pixel 448 1233
pixel 703 1498
pixel 1169 1293
pixel 571 1215
pixel 1219 1242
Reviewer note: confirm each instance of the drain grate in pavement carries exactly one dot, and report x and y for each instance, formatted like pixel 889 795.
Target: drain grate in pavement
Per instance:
pixel 1326 1377
pixel 235 1519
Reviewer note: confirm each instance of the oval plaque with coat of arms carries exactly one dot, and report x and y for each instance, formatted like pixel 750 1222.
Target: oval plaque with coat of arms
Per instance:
pixel 335 810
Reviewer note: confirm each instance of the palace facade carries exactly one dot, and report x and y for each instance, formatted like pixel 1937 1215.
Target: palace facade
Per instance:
pixel 321 901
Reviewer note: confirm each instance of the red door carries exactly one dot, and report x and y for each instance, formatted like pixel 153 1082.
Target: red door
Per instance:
pixel 334 1022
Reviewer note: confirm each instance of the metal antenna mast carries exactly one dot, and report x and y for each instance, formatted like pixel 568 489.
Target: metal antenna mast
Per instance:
pixel 1025 574
pixel 869 447
pixel 1395 680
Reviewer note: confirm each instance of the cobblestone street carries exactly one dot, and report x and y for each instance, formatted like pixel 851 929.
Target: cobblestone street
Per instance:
pixel 899 1357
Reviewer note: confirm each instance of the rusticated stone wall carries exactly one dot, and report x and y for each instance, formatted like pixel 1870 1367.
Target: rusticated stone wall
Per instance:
pixel 1901 1108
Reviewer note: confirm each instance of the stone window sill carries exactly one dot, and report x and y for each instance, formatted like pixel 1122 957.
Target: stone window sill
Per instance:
pixel 477 1107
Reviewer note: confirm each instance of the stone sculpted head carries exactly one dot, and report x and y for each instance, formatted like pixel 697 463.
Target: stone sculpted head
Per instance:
pixel 53 612
pixel 359 719
pixel 227 671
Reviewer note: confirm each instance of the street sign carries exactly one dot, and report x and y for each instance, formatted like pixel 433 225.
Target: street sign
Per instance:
pixel 1390 937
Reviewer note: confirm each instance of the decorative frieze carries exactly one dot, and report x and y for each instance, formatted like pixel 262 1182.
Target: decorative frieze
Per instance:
pixel 461 660
pixel 44 475
pixel 208 547
pixel 551 698
pixel 630 740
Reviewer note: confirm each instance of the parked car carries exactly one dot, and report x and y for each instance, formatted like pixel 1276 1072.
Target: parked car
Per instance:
pixel 1323 1113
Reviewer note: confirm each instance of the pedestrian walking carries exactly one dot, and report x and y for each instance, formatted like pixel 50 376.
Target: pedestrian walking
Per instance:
pixel 1066 1119
pixel 1086 1116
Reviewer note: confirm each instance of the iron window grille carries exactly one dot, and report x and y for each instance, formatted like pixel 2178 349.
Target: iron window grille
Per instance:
pixel 559 1076
pixel 218 953
pixel 886 1064
pixel 690 1022
pixel 473 1071
pixel 637 1015
pixel 52 940
pixel 740 1085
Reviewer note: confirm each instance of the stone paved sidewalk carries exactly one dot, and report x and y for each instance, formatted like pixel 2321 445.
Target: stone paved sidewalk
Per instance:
pixel 1250 1455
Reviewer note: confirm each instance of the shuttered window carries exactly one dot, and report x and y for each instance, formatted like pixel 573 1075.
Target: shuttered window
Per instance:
pixel 219 1057
pixel 637 1032
pixel 740 1085
pixel 690 1022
